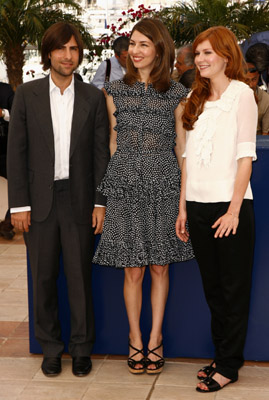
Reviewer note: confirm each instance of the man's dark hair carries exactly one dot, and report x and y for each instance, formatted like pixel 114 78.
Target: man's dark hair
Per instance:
pixel 120 44
pixel 58 35
pixel 258 54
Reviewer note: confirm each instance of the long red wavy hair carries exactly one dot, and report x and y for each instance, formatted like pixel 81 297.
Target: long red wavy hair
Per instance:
pixel 224 43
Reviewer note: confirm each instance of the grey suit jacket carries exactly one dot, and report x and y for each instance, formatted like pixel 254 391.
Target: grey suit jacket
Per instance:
pixel 31 149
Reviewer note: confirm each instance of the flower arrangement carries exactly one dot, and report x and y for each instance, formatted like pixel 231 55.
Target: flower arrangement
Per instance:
pixel 126 22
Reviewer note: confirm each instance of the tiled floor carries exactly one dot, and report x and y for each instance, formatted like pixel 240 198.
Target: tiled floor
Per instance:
pixel 22 379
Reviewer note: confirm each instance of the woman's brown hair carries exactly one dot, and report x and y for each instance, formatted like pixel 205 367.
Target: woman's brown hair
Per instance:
pixel 160 75
pixel 224 43
pixel 56 36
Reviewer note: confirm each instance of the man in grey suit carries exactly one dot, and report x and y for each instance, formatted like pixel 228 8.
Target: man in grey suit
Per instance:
pixel 57 155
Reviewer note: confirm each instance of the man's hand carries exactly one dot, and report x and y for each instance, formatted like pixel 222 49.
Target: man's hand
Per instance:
pixel 21 220
pixel 98 216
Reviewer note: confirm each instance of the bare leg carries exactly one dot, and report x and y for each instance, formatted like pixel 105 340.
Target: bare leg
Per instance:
pixel 133 280
pixel 159 293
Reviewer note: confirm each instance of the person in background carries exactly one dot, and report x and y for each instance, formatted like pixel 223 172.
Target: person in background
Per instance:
pixel 184 61
pixel 187 78
pixel 220 117
pixel 142 183
pixel 115 67
pixel 258 54
pixel 6 99
pixel 57 156
pixel 253 77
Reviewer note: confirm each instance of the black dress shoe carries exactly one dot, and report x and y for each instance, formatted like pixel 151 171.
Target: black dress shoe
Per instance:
pixel 51 366
pixel 81 366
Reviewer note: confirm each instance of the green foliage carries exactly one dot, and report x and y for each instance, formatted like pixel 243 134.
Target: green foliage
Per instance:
pixel 24 22
pixel 186 20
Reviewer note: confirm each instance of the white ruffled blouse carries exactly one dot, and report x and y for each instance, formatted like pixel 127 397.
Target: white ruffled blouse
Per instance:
pixel 223 133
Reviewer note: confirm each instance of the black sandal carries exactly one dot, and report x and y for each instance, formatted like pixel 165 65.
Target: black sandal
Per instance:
pixel 208 369
pixel 133 363
pixel 158 364
pixel 212 385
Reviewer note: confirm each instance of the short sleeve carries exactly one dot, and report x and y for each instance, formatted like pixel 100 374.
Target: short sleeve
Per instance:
pixel 247 116
pixel 182 91
pixel 114 87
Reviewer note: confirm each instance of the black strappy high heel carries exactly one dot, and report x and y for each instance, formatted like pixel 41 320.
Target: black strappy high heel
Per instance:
pixel 133 363
pixel 158 363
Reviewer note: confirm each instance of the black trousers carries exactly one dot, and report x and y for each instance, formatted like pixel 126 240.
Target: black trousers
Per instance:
pixel 45 241
pixel 225 265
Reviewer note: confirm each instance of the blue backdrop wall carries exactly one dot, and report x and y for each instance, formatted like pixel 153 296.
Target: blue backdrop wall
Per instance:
pixel 187 321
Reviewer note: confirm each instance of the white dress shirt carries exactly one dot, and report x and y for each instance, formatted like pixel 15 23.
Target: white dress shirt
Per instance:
pixel 61 106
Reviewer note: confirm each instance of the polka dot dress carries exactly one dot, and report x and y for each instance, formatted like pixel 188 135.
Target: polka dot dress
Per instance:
pixel 142 180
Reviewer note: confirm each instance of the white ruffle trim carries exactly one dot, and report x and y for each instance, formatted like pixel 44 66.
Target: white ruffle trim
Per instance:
pixel 206 125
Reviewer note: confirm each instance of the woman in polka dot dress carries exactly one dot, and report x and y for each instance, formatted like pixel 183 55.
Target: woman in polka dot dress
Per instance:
pixel 142 183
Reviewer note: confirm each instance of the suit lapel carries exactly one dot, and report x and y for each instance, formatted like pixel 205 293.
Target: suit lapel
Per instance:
pixel 42 109
pixel 80 115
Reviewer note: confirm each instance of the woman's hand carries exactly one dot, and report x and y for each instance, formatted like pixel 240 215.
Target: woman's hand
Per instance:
pixel 181 230
pixel 226 224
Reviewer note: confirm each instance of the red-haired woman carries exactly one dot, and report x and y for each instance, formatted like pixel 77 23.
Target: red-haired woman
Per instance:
pixel 220 117
pixel 142 183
